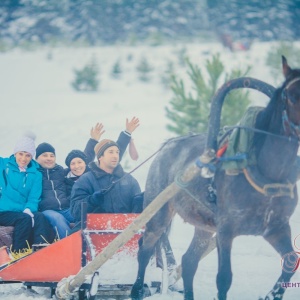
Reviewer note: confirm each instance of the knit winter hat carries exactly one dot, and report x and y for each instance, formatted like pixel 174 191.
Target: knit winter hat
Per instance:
pixel 26 143
pixel 74 154
pixel 103 145
pixel 44 147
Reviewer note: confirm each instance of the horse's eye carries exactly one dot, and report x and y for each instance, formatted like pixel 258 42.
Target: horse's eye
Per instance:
pixel 293 99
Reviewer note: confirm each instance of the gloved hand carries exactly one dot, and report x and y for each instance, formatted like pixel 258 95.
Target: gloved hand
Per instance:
pixel 97 198
pixel 137 203
pixel 28 212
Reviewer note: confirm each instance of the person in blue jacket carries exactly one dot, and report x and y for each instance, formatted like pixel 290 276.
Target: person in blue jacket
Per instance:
pixel 20 195
pixel 58 181
pixel 106 188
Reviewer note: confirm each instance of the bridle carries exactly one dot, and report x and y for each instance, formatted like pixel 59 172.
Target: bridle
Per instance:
pixel 289 127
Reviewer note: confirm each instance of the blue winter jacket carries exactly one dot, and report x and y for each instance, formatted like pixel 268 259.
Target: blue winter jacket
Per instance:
pixel 19 190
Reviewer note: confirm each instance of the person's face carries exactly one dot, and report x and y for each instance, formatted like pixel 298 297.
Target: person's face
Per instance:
pixel 23 158
pixel 47 160
pixel 77 166
pixel 110 158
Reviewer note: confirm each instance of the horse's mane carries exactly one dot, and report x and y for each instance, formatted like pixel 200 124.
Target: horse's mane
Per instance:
pixel 180 138
pixel 264 118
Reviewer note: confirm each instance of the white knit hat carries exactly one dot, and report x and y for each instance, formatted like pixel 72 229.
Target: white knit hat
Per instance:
pixel 26 143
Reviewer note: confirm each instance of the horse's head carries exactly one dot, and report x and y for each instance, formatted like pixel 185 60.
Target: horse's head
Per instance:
pixel 291 99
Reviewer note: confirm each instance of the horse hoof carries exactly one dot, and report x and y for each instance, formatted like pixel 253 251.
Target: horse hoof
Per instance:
pixel 137 294
pixel 137 297
pixel 140 294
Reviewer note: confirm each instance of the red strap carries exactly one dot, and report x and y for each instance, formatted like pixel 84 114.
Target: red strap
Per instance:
pixel 222 150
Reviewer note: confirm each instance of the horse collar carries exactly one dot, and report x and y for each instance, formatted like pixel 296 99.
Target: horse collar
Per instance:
pixel 268 189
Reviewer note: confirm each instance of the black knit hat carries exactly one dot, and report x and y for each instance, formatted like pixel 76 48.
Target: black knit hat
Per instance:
pixel 73 154
pixel 42 148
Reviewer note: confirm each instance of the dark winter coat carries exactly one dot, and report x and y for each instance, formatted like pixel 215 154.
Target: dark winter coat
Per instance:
pixel 120 198
pixel 19 190
pixel 54 194
pixel 57 187
pixel 123 141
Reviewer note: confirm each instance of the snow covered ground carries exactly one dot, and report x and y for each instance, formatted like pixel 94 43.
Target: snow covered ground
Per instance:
pixel 36 95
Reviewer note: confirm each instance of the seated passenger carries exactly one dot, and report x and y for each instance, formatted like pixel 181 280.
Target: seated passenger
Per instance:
pixel 20 192
pixel 58 182
pixel 77 161
pixel 106 188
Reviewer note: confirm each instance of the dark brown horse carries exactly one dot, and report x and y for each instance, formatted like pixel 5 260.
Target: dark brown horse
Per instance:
pixel 240 208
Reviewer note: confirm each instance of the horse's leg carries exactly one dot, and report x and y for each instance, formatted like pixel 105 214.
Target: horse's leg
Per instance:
pixel 224 276
pixel 191 258
pixel 281 242
pixel 154 230
pixel 144 254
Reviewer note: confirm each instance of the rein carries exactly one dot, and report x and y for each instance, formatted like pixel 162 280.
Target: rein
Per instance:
pixel 229 129
pixel 143 162
pixel 165 144
pixel 289 126
pixel 106 190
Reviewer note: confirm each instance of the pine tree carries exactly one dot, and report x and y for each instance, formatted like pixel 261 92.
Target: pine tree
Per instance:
pixel 144 69
pixel 86 78
pixel 189 111
pixel 116 70
pixel 182 56
pixel 167 75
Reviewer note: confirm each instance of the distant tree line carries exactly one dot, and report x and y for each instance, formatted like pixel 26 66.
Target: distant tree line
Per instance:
pixel 95 21
pixel 262 19
pixel 111 21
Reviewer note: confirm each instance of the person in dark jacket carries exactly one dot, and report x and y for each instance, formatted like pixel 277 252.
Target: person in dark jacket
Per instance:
pixel 77 161
pixel 58 181
pixel 20 192
pixel 106 188
pixel 77 164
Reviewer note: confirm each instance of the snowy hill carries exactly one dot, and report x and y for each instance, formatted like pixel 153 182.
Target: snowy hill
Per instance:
pixel 36 94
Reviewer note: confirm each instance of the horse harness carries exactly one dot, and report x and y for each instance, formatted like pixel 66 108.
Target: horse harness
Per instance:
pixel 268 189
pixel 254 178
pixel 288 126
pixel 257 181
